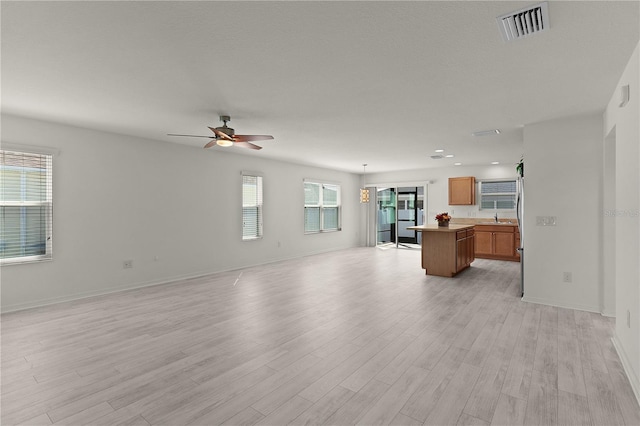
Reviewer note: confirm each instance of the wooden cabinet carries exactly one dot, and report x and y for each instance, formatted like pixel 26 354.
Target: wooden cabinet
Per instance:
pixel 465 249
pixel 484 243
pixel 504 244
pixel 471 246
pixel 497 242
pixel 446 250
pixel 461 251
pixel 462 191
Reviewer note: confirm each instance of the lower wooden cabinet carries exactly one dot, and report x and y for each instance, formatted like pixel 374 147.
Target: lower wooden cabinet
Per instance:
pixel 465 249
pixel 497 242
pixel 446 250
pixel 484 243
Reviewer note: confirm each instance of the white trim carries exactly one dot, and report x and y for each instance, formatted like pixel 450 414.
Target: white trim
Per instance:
pixel 415 183
pixel 549 302
pixel 32 149
pixel 321 181
pixel 9 261
pixel 626 365
pixel 143 284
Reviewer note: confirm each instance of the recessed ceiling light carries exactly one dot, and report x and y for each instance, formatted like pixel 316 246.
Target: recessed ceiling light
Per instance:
pixel 439 150
pixel 486 132
pixel 449 155
pixel 495 162
pixel 457 164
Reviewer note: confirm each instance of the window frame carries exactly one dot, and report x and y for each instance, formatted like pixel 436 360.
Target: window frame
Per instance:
pixel 259 199
pixel 514 194
pixel 322 206
pixel 48 203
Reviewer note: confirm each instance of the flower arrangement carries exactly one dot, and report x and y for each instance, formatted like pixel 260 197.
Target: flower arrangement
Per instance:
pixel 443 219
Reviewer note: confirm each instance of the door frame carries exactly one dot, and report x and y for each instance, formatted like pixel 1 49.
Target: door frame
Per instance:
pixel 373 212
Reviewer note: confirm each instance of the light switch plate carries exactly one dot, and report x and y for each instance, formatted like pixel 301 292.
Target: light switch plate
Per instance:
pixel 545 220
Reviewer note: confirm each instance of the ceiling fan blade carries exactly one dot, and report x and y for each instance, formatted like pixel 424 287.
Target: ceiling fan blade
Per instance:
pixel 191 136
pixel 247 138
pixel 247 145
pixel 211 143
pixel 220 135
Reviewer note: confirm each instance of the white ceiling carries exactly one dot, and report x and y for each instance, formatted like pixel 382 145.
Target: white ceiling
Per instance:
pixel 338 84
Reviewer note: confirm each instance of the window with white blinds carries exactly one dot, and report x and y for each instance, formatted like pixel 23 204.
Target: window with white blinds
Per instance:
pixel 498 195
pixel 26 207
pixel 251 207
pixel 321 207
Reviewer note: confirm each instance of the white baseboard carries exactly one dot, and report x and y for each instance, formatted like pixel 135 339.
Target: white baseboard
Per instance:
pixel 631 375
pixel 550 302
pixel 133 286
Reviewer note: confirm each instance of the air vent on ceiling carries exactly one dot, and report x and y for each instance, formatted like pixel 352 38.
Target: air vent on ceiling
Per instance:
pixel 437 157
pixel 524 22
pixel 486 132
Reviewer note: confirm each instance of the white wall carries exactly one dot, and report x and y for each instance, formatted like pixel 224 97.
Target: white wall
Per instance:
pixel 563 169
pixel 623 122
pixel 119 197
pixel 438 189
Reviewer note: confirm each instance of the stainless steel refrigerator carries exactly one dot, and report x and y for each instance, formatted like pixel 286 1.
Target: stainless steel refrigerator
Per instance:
pixel 520 216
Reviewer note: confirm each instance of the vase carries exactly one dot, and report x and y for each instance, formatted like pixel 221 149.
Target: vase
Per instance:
pixel 443 223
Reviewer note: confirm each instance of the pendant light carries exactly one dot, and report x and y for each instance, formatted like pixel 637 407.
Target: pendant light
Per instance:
pixel 364 192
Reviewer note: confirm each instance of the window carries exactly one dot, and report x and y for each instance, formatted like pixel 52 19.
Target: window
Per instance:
pixel 321 207
pixel 498 195
pixel 251 207
pixel 26 206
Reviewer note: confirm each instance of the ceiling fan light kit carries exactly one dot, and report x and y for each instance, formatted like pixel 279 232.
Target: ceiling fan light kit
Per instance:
pixel 225 136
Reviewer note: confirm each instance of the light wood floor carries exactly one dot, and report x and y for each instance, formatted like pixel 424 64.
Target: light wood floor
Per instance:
pixel 353 337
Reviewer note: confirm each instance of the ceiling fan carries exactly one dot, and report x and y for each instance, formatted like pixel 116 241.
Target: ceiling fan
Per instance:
pixel 225 136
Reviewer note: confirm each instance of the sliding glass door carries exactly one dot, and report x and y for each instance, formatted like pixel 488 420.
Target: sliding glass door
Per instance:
pixel 410 213
pixel 386 216
pixel 397 210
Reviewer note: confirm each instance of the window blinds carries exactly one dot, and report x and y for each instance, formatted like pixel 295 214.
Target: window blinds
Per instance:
pixel 311 207
pixel 251 207
pixel 26 206
pixel 321 207
pixel 329 207
pixel 498 195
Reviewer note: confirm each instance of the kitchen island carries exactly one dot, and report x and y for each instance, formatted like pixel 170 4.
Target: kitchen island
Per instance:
pixel 446 250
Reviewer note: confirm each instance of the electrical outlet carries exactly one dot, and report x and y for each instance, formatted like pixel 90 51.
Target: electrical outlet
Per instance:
pixel 566 277
pixel 127 264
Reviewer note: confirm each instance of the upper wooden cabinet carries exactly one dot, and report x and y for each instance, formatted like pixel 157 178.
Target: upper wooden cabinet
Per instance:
pixel 462 191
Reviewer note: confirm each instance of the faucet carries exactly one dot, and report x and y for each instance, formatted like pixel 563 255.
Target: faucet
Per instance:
pixel 496 217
